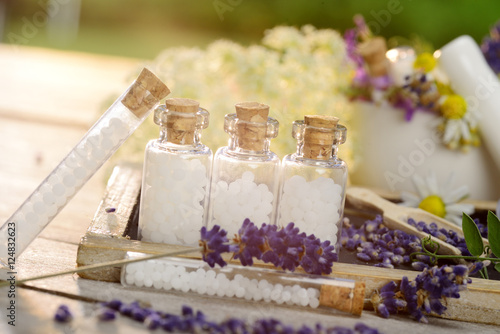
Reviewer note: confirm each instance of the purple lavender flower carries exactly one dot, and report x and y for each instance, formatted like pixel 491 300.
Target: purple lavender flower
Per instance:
pixel 273 246
pixel 190 321
pixel 106 314
pixel 153 321
pixel 350 38
pixel 63 314
pixel 491 48
pixel 264 326
pixel 214 242
pixel 420 266
pixel 364 329
pixel 139 314
pixel 374 242
pixel 381 82
pixel 234 325
pixel 318 256
pixel 448 236
pixel 249 241
pixel 423 295
pixel 285 248
pixel 475 267
pixel 402 98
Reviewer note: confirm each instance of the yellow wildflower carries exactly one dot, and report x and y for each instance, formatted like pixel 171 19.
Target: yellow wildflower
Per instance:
pixel 454 107
pixel 425 62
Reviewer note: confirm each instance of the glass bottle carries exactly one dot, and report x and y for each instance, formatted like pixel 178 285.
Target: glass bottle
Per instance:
pixel 245 174
pixel 313 179
pixel 176 176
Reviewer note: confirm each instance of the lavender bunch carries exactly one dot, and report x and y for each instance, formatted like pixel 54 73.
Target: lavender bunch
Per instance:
pixel 196 322
pixel 491 48
pixel 285 248
pixel 423 295
pixel 449 236
pixel 374 242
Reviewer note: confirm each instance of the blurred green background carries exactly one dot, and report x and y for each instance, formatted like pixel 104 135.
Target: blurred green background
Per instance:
pixel 142 29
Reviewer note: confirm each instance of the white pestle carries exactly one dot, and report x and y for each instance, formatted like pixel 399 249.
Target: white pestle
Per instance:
pixel 471 77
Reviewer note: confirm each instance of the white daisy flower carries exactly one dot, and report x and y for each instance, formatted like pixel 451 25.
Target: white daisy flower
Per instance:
pixel 459 122
pixel 440 200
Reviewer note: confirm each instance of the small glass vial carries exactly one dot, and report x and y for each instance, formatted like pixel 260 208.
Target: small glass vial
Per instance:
pixel 245 174
pixel 176 176
pixel 313 179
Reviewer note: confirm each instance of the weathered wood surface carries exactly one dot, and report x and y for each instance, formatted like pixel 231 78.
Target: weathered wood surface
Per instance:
pixel 37 129
pixel 73 287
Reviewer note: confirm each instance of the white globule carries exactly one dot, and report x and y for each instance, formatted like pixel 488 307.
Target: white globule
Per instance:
pixel 241 199
pixel 208 282
pixel 313 206
pixel 172 207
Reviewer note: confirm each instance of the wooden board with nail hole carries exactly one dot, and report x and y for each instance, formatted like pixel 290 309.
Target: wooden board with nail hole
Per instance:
pixel 110 236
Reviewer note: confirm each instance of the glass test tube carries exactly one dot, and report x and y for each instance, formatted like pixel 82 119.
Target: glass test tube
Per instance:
pixel 95 148
pixel 248 283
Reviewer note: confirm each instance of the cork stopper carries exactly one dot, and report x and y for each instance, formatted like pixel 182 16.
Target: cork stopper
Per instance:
pixel 319 135
pixel 344 298
pixel 145 93
pixel 373 52
pixel 252 125
pixel 181 120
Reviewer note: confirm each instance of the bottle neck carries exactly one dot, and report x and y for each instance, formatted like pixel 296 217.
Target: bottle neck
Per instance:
pixel 319 144
pixel 178 138
pixel 250 138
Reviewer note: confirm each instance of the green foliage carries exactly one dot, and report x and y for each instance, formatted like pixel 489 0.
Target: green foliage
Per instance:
pixel 472 236
pixel 494 233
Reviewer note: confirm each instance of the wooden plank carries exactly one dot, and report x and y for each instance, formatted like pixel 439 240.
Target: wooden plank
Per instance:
pixel 107 245
pixel 121 195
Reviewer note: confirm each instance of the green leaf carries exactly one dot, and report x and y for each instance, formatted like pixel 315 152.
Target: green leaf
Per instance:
pixel 494 233
pixel 472 235
pixel 497 267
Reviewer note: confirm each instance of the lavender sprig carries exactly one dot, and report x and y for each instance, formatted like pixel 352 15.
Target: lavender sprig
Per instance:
pixel 214 242
pixel 285 248
pixel 423 295
pixel 190 321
